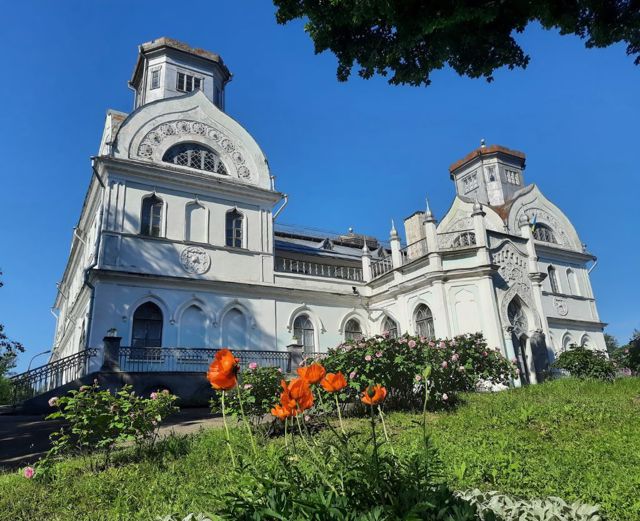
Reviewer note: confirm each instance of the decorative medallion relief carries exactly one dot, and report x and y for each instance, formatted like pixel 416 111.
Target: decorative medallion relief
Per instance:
pixel 195 260
pixel 561 305
pixel 183 127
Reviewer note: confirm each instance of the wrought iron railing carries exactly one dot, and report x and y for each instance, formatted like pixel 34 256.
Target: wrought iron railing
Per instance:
pixel 316 269
pixel 456 240
pixel 50 376
pixel 414 250
pixel 381 266
pixel 193 360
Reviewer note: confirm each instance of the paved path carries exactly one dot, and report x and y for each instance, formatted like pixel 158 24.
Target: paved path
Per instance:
pixel 23 439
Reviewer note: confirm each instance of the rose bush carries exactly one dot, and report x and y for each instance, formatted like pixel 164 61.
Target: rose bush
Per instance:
pixel 458 365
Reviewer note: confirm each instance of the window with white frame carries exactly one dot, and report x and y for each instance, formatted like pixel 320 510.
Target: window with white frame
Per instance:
pixel 391 327
pixel 553 279
pixel 234 229
pixel 470 183
pixel 195 156
pixel 155 79
pixel 188 82
pixel 151 216
pixel 513 176
pixel 423 319
pixel 303 330
pixel 352 330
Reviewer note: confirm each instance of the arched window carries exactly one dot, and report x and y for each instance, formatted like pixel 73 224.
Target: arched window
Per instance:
pixel 234 330
pixel 352 330
pixel 543 233
pixel 423 319
pixel 586 342
pixel 304 332
pixel 234 225
pixel 147 326
pixel 465 239
pixel 193 328
pixel 196 223
pixel 195 156
pixel 151 218
pixel 391 326
pixel 553 279
pixel 567 342
pixel 572 279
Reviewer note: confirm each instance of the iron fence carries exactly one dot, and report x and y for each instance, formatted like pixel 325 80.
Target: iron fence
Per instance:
pixel 193 360
pixel 50 376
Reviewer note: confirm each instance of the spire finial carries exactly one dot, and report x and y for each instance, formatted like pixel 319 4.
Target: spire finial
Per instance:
pixel 394 232
pixel 365 248
pixel 482 143
pixel 428 212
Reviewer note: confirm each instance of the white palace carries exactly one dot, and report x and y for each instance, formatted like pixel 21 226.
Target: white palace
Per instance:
pixel 177 247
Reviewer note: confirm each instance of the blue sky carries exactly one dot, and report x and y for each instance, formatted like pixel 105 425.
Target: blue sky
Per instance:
pixel 349 154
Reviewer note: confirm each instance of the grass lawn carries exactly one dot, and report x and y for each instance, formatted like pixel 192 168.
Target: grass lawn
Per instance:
pixel 576 440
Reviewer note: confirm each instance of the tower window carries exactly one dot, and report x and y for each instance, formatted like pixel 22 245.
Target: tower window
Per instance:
pixel 234 229
pixel 513 176
pixel 155 79
pixel 151 218
pixel 353 330
pixel 543 233
pixel 553 280
pixel 188 83
pixel 470 183
pixel 194 155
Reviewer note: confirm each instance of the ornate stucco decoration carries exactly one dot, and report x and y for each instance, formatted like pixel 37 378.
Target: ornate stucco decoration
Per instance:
pixel 544 217
pixel 514 280
pixel 219 140
pixel 195 260
pixel 561 305
pixel 461 223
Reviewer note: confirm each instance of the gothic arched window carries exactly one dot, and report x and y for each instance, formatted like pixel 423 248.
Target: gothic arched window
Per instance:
pixel 234 330
pixel 391 326
pixel 193 328
pixel 234 225
pixel 543 233
pixel 423 319
pixel 572 279
pixel 553 279
pixel 303 330
pixel 147 326
pixel 352 330
pixel 151 216
pixel 195 156
pixel 195 222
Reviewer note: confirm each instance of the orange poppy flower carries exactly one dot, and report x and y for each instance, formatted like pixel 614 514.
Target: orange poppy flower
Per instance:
pixel 281 413
pixel 312 373
pixel 296 395
pixel 285 397
pixel 223 371
pixel 334 382
pixel 374 394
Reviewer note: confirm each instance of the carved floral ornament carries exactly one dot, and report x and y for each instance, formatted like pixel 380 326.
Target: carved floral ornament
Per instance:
pixel 195 260
pixel 182 127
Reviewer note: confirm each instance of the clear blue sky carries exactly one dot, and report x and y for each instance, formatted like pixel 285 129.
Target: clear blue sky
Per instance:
pixel 349 154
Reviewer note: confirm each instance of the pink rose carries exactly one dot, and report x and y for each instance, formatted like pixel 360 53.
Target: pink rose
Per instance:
pixel 455 357
pixel 279 369
pixel 53 401
pixel 442 345
pixel 445 364
pixel 368 358
pixel 253 366
pixel 484 353
pixel 153 396
pixel 412 343
pixel 307 418
pixel 445 397
pixel 385 334
pixel 378 354
pixel 352 375
pixel 418 378
pixel 165 391
pixel 247 386
pixel 423 339
pixel 28 472
pixel 432 344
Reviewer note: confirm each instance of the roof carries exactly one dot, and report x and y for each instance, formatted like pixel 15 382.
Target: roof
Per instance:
pixel 165 42
pixel 486 151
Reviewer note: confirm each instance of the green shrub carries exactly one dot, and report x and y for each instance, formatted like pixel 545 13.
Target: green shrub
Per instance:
pixel 6 392
pixel 95 421
pixel 582 362
pixel 397 363
pixel 627 358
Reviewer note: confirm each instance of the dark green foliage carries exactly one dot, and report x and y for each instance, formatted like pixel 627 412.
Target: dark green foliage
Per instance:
pixel 583 362
pixel 397 363
pixel 408 40
pixel 627 358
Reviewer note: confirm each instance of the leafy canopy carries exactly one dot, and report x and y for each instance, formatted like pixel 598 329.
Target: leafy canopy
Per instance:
pixel 409 39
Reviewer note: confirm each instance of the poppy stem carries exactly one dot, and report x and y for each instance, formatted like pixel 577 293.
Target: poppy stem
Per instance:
pixel 319 461
pixel 286 443
pixel 375 444
pixel 339 414
pixel 424 413
pixel 384 429
pixel 246 423
pixel 226 430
